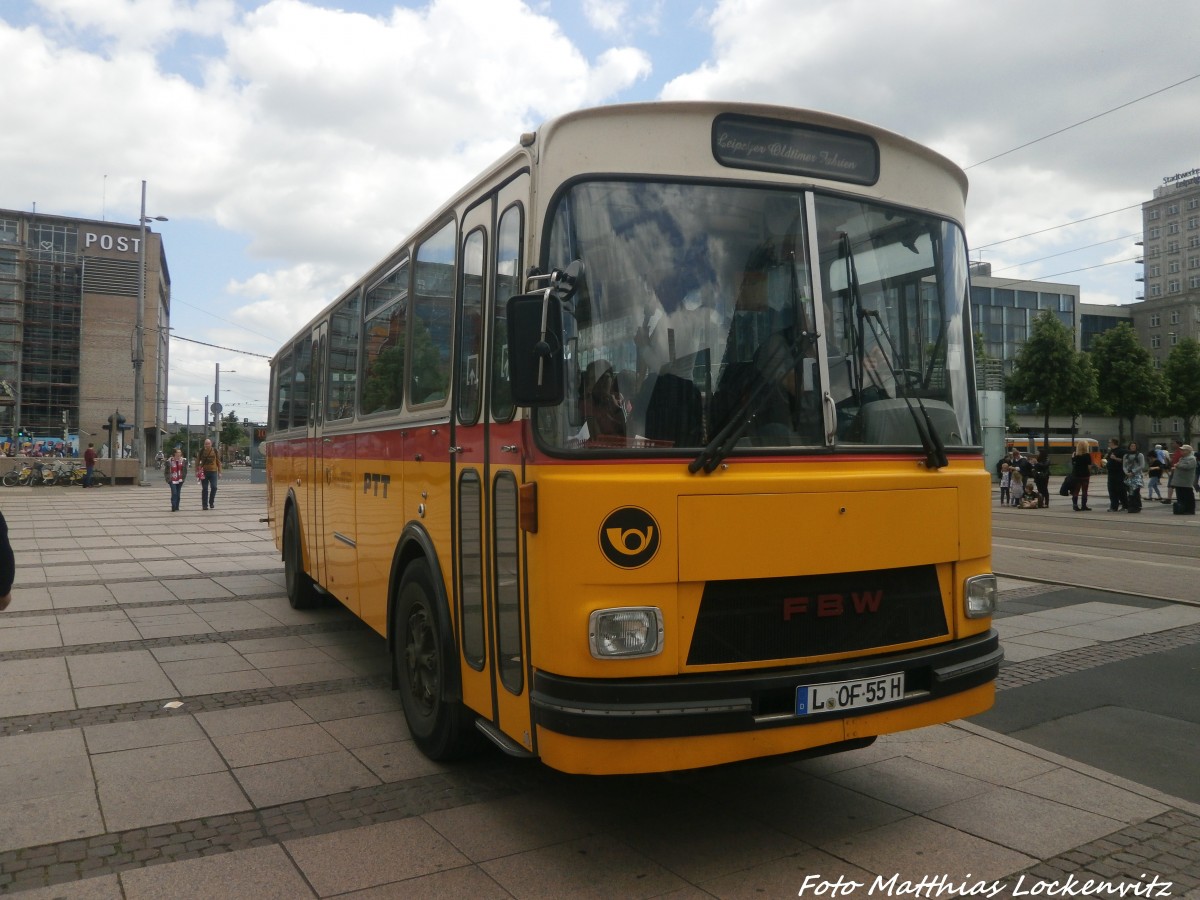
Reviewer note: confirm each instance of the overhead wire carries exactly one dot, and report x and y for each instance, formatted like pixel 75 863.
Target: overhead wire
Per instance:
pixel 1030 262
pixel 1086 218
pixel 981 162
pixel 1085 121
pixel 1055 227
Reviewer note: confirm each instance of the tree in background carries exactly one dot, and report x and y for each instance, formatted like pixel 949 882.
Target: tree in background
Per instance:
pixel 179 439
pixel 233 434
pixel 980 348
pixel 1182 371
pixel 1048 372
pixel 1082 395
pixel 1128 382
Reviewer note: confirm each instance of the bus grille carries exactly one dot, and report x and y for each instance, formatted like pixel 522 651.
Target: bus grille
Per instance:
pixel 751 620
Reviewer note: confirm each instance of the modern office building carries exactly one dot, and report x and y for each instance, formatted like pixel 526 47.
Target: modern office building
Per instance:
pixel 1003 310
pixel 1169 310
pixel 69 296
pixel 1096 318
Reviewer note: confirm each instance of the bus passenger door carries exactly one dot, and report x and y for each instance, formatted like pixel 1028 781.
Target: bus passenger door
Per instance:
pixel 488 471
pixel 469 469
pixel 339 451
pixel 317 465
pixel 505 473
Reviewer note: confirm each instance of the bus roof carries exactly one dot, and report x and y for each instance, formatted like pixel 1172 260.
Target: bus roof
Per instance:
pixel 532 144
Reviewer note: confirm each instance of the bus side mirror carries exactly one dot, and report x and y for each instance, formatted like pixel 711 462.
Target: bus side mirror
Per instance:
pixel 535 349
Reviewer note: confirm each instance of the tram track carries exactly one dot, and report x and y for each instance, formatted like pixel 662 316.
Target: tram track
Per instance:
pixel 1151 555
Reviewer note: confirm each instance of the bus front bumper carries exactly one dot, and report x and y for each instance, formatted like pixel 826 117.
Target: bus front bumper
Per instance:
pixel 738 702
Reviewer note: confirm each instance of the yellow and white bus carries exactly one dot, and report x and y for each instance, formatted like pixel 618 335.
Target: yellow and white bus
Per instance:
pixel 656 446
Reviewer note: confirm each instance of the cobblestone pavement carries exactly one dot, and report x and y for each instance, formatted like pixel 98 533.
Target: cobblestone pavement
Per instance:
pixel 169 727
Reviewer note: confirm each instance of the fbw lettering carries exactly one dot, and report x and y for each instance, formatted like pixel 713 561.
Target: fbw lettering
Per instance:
pixel 823 605
pixel 374 483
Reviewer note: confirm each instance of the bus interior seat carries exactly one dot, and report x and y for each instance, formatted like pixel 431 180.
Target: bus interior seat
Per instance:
pixel 672 411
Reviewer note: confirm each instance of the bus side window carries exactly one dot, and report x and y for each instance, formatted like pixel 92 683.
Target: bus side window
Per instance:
pixel 303 356
pixel 385 331
pixel 433 316
pixel 343 359
pixel 283 392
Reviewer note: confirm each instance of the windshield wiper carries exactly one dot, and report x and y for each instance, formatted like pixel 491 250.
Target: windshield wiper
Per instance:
pixel 931 441
pixel 780 357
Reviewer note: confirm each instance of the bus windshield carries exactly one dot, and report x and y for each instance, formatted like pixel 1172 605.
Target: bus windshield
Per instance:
pixel 764 318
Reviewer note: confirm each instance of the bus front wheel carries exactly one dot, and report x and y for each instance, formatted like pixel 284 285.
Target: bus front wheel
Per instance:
pixel 441 728
pixel 301 592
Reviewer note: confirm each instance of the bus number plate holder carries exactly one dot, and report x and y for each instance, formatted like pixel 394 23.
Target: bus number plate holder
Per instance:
pixel 835 696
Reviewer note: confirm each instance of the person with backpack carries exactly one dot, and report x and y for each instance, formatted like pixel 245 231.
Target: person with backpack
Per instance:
pixel 208 470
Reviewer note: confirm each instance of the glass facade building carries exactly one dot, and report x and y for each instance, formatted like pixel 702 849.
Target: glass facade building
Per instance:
pixel 1003 310
pixel 68 313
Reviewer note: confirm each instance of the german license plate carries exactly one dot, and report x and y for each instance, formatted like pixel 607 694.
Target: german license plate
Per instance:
pixel 839 695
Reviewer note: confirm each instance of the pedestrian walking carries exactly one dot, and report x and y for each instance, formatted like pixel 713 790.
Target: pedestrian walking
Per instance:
pixel 208 470
pixel 176 472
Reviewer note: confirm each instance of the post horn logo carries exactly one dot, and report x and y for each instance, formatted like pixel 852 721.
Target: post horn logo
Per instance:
pixel 629 537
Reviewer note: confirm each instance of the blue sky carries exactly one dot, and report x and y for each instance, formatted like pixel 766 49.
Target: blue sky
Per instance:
pixel 291 143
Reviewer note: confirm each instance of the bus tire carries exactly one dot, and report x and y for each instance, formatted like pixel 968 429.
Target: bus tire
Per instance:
pixel 301 591
pixel 441 728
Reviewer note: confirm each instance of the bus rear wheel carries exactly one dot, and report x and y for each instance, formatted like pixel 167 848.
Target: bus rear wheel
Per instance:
pixel 441 728
pixel 301 592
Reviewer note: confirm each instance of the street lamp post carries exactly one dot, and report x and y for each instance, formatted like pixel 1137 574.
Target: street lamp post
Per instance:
pixel 139 429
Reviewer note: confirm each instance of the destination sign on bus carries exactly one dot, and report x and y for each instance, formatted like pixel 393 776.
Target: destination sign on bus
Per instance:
pixel 751 143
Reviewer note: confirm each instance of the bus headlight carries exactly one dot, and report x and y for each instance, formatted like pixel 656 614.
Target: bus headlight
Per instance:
pixel 626 632
pixel 980 596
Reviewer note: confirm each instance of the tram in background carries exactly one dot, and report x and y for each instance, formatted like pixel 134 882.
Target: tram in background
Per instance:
pixel 656 446
pixel 1060 447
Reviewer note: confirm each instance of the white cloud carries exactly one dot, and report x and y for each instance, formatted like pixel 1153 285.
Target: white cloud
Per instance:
pixel 605 15
pixel 972 87
pixel 131 25
pixel 323 136
pixel 622 17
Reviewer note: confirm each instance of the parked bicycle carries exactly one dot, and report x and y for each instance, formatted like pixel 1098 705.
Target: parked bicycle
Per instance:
pixel 38 472
pixel 22 475
pixel 76 475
